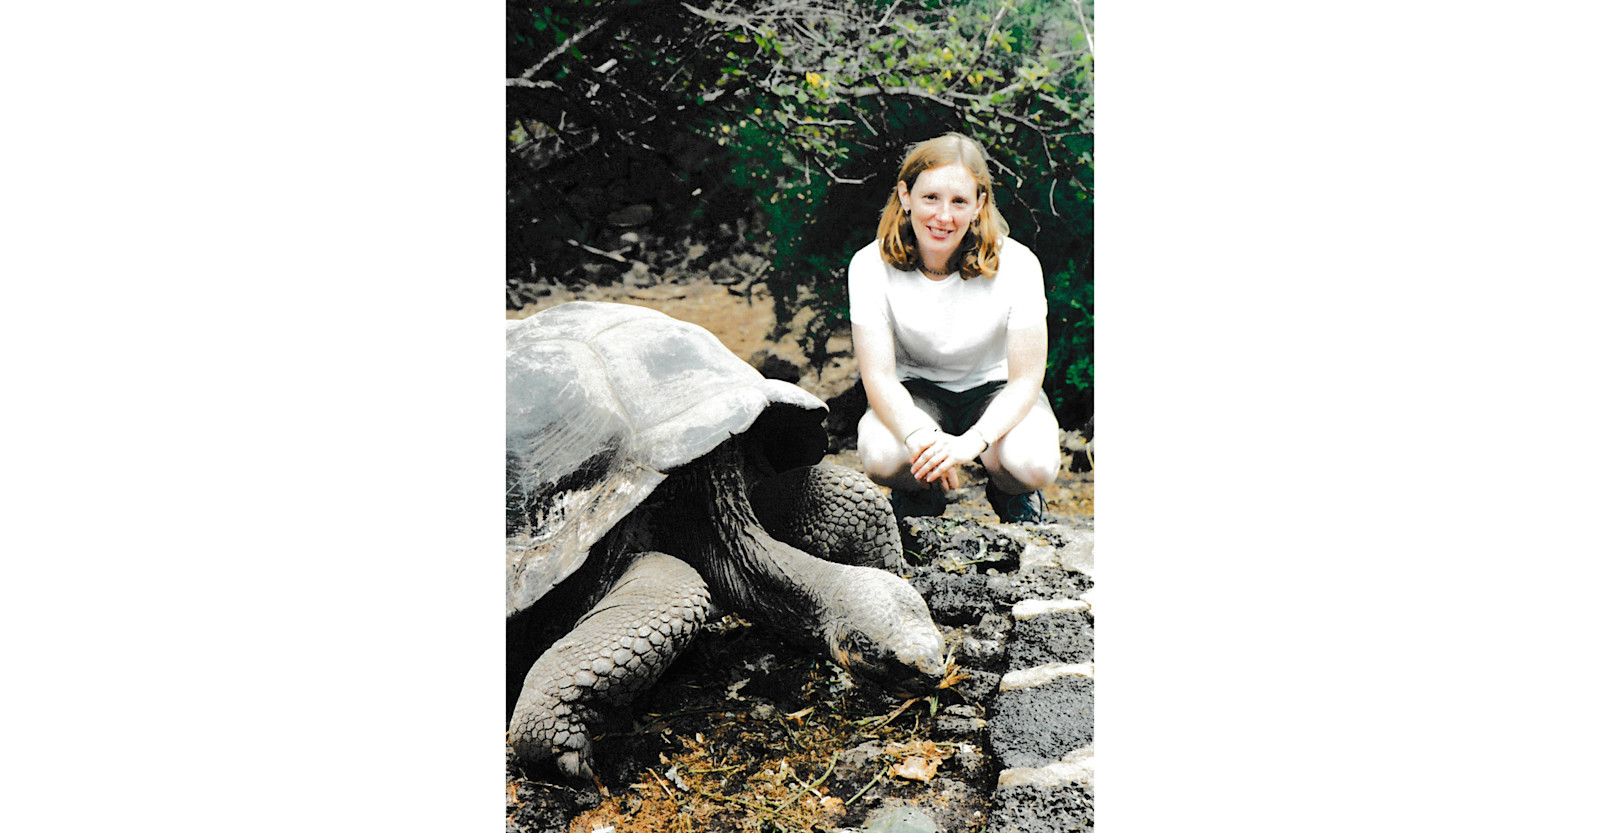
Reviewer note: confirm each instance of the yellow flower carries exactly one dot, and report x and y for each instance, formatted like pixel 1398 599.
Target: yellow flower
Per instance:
pixel 816 80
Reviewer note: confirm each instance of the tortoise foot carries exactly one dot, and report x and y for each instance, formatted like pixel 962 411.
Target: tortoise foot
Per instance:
pixel 615 651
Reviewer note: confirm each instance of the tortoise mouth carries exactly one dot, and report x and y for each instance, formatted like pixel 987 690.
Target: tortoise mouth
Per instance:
pixel 901 682
pixel 907 670
pixel 918 680
pixel 914 686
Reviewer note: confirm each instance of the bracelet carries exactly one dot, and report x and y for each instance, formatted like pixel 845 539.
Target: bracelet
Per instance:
pixel 912 432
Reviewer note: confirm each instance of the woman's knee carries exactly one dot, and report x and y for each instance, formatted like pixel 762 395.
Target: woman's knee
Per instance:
pixel 1030 457
pixel 1036 471
pixel 883 469
pixel 1026 469
pixel 882 458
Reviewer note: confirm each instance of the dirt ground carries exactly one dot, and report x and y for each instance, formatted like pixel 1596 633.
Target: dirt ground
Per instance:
pixel 746 733
pixel 745 325
pixel 743 732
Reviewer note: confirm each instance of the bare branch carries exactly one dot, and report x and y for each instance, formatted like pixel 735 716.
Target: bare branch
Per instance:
pixel 889 13
pixel 862 119
pixel 837 178
pixel 918 92
pixel 873 89
pixel 1087 35
pixel 987 39
pixel 805 26
pixel 559 50
pixel 716 17
pixel 1002 166
pixel 616 256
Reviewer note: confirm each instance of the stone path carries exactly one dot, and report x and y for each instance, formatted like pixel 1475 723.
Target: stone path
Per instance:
pixel 1016 603
pixel 1029 644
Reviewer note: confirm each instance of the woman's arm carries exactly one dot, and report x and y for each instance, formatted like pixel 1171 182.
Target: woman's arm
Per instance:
pixel 1025 358
pixel 875 356
pixel 889 399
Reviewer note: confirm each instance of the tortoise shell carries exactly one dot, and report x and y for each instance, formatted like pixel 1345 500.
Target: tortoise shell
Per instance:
pixel 603 401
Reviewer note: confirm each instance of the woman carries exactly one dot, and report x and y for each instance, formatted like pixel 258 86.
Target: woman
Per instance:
pixel 948 316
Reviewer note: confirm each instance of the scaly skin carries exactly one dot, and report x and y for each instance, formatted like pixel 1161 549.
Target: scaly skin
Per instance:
pixel 868 620
pixel 834 513
pixel 614 652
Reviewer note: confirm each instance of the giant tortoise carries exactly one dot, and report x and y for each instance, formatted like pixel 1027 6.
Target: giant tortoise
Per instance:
pixel 632 443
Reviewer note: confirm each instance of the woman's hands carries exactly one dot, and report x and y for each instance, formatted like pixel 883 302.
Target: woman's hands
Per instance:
pixel 936 456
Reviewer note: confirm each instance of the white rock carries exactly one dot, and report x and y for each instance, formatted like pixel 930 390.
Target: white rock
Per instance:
pixel 1042 674
pixel 1029 608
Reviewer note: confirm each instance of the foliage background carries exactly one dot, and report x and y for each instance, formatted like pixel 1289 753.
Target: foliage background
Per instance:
pixel 784 122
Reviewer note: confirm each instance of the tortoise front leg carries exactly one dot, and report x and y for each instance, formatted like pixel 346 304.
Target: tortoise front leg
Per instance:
pixel 832 512
pixel 614 652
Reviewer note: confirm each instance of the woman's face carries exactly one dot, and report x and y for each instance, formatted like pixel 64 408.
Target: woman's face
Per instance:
pixel 942 205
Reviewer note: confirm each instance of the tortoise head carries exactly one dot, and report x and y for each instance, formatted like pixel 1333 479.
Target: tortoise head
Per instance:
pixel 879 628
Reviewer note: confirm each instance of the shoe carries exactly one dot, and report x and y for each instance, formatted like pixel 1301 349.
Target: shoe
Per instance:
pixel 1027 507
pixel 922 503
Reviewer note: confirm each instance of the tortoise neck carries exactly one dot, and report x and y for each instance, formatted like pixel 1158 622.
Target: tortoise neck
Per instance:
pixel 708 522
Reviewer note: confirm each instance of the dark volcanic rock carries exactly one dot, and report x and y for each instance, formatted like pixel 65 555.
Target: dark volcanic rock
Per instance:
pixel 959 541
pixel 539 807
pixel 1031 808
pixel 1030 727
pixel 775 367
pixel 958 722
pixel 983 645
pixel 979 685
pixel 1049 582
pixel 954 599
pixel 1058 637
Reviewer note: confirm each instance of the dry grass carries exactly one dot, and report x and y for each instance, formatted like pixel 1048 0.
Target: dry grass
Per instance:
pixel 705 760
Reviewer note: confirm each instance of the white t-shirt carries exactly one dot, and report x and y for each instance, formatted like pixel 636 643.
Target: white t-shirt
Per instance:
pixel 951 332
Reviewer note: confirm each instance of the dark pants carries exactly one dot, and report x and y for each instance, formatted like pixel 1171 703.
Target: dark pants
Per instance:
pixel 954 411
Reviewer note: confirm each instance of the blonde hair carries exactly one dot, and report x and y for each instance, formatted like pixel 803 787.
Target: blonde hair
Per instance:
pixel 979 252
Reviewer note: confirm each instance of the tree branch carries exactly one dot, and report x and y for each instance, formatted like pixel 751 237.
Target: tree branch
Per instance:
pixel 917 92
pixel 983 48
pixel 560 49
pixel 1087 35
pixel 837 178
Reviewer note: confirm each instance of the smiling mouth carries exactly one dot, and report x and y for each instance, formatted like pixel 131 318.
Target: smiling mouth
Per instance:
pixel 940 234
